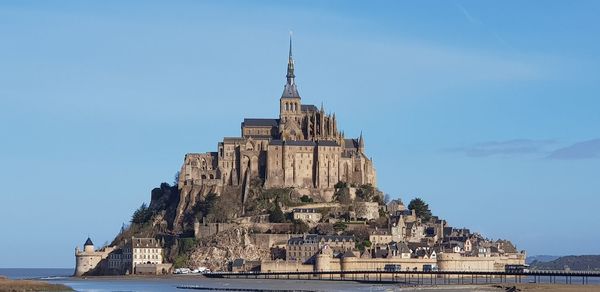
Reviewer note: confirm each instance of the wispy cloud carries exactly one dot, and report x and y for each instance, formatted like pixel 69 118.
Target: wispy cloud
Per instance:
pixel 479 23
pixel 505 148
pixel 468 15
pixel 546 149
pixel 580 150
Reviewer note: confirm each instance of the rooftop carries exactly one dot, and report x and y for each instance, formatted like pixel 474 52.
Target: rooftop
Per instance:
pixel 261 122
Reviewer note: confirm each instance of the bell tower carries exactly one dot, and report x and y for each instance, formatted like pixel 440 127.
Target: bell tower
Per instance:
pixel 289 103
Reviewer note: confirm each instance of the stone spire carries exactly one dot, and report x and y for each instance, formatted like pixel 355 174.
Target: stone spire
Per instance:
pixel 290 90
pixel 290 69
pixel 361 142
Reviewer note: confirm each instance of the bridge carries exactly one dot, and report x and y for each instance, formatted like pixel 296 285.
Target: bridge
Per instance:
pixel 423 277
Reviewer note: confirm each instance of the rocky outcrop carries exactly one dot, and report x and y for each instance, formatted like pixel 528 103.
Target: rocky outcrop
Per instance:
pixel 215 252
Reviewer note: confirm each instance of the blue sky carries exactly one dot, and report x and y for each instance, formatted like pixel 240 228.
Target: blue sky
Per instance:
pixel 487 110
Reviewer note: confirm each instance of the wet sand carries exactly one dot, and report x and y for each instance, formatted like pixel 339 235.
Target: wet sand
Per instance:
pixel 171 282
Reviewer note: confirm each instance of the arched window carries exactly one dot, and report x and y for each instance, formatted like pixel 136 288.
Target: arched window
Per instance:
pixel 287 106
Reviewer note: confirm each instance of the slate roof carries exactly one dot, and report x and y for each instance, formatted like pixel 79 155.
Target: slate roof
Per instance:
pixel 145 242
pixel 350 143
pixel 300 143
pixel 313 238
pixel 327 143
pixel 233 139
pixel 401 247
pixel 290 90
pixel 348 254
pixel 88 242
pixel 261 122
pixel 308 108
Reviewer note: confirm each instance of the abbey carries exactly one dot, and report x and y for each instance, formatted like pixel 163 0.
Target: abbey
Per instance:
pixel 303 149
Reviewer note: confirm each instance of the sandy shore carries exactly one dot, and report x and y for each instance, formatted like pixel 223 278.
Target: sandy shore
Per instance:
pixel 29 285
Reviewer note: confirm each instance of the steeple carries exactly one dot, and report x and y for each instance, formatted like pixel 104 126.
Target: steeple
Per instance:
pixel 290 90
pixel 290 69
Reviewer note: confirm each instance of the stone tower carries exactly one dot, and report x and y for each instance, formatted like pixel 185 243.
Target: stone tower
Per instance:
pixel 88 260
pixel 290 105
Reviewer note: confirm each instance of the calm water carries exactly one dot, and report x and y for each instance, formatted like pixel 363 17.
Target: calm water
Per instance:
pixel 30 273
pixel 106 284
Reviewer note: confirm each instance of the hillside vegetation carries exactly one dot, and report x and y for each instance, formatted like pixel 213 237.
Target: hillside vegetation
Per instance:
pixel 579 263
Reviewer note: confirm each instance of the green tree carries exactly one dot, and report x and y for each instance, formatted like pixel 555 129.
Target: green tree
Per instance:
pixel 421 209
pixel 340 226
pixel 276 215
pixel 342 196
pixel 341 185
pixel 299 226
pixel 366 193
pixel 141 215
pixel 306 199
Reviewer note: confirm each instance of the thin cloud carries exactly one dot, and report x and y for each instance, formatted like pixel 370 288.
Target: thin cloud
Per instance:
pixel 468 15
pixel 580 150
pixel 479 23
pixel 505 148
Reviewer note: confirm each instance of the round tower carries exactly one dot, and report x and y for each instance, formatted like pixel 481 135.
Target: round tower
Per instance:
pixel 87 260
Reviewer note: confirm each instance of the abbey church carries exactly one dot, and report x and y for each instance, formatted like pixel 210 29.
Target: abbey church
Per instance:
pixel 303 148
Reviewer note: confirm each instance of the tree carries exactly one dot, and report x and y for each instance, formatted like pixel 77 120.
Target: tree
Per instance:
pixel 141 215
pixel 340 226
pixel 366 193
pixel 325 229
pixel 341 185
pixel 299 226
pixel 276 215
pixel 421 209
pixel 176 178
pixel 306 199
pixel 342 196
pixel 360 233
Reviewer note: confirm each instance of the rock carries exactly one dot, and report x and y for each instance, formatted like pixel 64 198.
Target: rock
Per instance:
pixel 215 252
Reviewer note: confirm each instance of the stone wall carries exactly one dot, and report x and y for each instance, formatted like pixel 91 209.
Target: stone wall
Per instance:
pixel 284 266
pixel 456 262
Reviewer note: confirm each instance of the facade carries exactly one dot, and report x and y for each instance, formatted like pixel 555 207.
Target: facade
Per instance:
pixel 307 214
pixel 303 249
pixel 136 256
pixel 303 148
pixel 143 251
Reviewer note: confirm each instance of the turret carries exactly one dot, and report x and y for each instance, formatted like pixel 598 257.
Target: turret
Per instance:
pixel 88 246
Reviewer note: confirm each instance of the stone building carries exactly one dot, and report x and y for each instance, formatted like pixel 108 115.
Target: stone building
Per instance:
pixel 303 249
pixel 88 260
pixel 143 251
pixel 136 254
pixel 302 148
pixel 307 214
